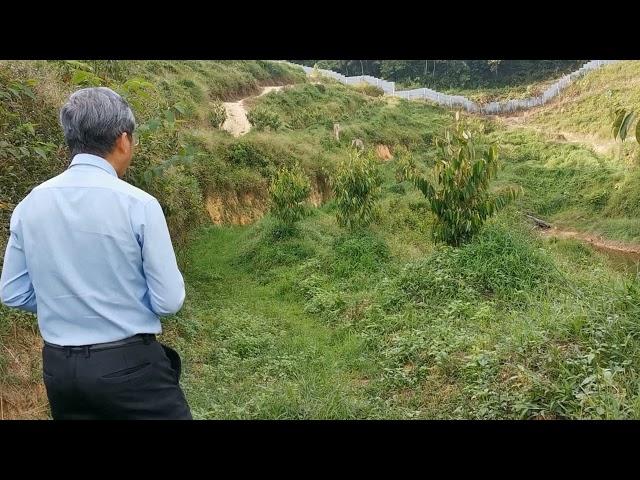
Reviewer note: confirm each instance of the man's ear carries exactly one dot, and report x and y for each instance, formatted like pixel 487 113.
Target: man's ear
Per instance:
pixel 122 143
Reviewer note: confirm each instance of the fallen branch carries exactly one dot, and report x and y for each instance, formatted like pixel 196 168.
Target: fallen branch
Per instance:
pixel 540 223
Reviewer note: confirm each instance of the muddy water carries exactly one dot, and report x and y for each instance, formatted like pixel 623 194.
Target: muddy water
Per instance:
pixel 628 262
pixel 622 257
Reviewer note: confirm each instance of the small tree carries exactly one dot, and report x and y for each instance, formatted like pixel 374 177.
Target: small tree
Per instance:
pixel 289 191
pixel 356 186
pixel 460 199
pixel 217 114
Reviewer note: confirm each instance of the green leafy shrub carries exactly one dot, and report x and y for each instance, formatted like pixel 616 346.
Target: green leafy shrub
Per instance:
pixel 181 200
pixel 461 200
pixel 217 114
pixel 289 191
pixel 246 154
pixel 356 186
pixel 261 119
pixel 31 144
pixel 86 79
pixel 195 91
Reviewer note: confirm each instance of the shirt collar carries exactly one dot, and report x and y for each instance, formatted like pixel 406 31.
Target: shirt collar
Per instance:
pixel 94 160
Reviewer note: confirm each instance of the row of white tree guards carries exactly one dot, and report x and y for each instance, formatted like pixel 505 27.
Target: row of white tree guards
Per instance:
pixel 459 101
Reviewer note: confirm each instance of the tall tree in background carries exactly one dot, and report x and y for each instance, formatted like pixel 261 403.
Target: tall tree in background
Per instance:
pixel 447 74
pixel 493 66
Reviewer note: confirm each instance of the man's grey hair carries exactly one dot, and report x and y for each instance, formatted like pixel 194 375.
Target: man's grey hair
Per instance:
pixel 93 118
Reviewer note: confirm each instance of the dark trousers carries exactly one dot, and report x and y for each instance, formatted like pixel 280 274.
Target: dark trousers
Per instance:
pixel 139 380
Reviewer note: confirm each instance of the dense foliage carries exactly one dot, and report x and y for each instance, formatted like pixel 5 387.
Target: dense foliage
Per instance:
pixel 452 73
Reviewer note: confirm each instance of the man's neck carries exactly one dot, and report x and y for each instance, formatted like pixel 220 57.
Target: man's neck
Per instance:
pixel 117 166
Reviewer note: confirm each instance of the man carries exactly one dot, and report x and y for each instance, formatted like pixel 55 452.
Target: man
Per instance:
pixel 92 256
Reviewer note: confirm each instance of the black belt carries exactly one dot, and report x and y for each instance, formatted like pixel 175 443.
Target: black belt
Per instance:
pixel 139 338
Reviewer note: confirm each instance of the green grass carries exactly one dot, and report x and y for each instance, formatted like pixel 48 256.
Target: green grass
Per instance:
pixel 315 108
pixel 505 327
pixel 252 351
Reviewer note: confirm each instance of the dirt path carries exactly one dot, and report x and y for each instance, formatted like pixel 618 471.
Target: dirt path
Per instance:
pixel 236 122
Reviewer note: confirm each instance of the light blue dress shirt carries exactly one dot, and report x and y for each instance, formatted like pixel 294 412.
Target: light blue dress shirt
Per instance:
pixel 92 256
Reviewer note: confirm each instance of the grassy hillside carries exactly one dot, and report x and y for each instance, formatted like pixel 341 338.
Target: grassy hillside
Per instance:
pixel 383 322
pixel 573 171
pixel 170 100
pixel 584 106
pixel 571 185
pixel 386 324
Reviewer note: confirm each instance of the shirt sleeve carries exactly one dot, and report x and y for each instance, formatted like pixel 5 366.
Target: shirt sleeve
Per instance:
pixel 164 280
pixel 16 289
